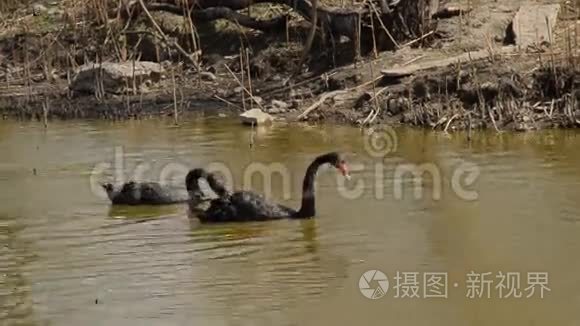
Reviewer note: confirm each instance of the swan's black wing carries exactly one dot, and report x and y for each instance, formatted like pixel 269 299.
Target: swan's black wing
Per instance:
pixel 198 202
pixel 220 210
pixel 127 194
pixel 153 193
pixel 243 206
pixel 147 193
pixel 251 206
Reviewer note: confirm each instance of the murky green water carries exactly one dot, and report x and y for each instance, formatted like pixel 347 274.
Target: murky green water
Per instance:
pixel 67 258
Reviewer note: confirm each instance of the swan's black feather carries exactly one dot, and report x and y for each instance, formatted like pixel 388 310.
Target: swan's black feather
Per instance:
pixel 250 206
pixel 144 193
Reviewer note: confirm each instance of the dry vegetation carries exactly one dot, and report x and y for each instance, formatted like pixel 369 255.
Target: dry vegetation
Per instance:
pixel 525 89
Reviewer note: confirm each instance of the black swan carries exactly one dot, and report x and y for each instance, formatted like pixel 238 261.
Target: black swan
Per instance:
pixel 249 206
pixel 144 193
pixel 153 193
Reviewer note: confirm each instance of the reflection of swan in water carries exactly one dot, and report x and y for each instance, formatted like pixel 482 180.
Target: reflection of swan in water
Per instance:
pixel 282 263
pixel 310 235
pixel 230 240
pixel 143 213
pixel 250 206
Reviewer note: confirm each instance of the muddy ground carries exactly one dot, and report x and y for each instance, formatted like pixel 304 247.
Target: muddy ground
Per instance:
pixel 511 89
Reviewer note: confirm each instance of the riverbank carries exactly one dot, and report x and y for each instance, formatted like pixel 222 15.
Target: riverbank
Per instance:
pixel 462 75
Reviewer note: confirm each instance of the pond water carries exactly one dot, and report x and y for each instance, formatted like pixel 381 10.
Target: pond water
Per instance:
pixel 500 203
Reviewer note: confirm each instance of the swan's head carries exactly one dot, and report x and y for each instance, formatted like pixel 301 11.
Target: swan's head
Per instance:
pixel 338 161
pixel 109 189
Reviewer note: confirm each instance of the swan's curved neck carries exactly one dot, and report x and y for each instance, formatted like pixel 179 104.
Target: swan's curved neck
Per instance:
pixel 307 209
pixel 192 182
pixel 216 185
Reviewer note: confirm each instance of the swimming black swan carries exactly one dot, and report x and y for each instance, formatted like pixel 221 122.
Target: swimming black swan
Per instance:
pixel 144 193
pixel 249 206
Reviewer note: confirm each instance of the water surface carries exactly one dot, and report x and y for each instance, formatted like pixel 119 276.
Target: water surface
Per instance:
pixel 68 258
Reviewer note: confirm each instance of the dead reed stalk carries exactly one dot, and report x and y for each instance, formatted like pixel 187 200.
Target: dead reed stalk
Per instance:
pixel 243 75
pixel 249 76
pixel 397 46
pixel 195 39
pixel 175 117
pixel 310 39
pixel 164 37
pixel 376 54
pixel 243 87
pixel 376 102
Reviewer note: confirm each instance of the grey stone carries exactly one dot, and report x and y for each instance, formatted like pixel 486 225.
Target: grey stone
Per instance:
pixel 529 24
pixel 255 117
pixel 115 76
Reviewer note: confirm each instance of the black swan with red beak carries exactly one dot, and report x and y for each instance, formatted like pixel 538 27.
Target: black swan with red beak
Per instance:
pixel 243 206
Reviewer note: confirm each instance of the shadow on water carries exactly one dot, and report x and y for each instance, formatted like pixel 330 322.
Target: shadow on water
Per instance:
pixel 127 214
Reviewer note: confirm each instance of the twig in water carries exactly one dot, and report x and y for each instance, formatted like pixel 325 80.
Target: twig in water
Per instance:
pixel 469 127
pixel 252 136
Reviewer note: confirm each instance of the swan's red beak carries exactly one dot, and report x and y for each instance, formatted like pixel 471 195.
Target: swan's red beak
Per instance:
pixel 343 169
